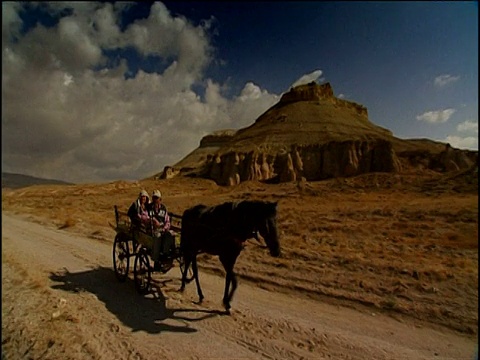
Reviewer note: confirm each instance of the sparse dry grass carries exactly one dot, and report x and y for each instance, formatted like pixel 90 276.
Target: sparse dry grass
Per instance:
pixel 392 244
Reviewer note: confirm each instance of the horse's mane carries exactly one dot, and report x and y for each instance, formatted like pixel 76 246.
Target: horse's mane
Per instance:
pixel 233 213
pixel 256 207
pixel 263 207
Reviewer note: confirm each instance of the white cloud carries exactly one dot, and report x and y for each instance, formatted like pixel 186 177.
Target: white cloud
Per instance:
pixel 63 120
pixel 11 21
pixel 459 142
pixel 341 96
pixel 68 79
pixel 252 102
pixel 434 117
pixel 468 126
pixel 308 78
pixel 445 79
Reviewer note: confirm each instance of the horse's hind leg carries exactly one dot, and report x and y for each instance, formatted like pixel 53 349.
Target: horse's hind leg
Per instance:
pixel 195 274
pixel 230 279
pixel 188 260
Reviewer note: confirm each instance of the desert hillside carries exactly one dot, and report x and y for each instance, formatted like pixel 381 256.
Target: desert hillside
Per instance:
pixel 15 181
pixel 405 245
pixel 312 135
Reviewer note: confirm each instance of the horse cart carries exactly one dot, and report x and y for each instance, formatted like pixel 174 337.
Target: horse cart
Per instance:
pixel 138 244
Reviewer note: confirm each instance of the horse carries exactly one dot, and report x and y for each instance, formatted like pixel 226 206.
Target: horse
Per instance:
pixel 222 230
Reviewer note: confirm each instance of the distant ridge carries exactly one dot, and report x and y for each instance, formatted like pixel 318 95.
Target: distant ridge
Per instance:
pixel 16 181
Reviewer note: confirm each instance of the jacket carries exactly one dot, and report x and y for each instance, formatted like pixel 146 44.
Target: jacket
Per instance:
pixel 137 215
pixel 160 213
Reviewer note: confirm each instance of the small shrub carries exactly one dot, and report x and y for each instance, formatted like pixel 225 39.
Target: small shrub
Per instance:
pixel 68 223
pixel 390 302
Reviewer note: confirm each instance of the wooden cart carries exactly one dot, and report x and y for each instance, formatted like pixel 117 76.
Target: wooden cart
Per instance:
pixel 138 244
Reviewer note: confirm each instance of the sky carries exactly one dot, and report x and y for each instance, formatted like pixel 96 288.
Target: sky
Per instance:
pixel 105 91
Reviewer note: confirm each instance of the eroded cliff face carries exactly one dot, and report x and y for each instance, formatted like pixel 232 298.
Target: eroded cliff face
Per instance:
pixel 218 138
pixel 314 92
pixel 311 163
pixel 454 159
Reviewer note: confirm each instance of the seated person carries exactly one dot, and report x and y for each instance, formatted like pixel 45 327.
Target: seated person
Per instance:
pixel 164 245
pixel 138 212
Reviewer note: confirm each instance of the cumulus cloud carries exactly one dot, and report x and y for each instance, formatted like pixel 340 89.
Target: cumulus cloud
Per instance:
pixel 445 79
pixel 468 142
pixel 11 22
pixel 461 141
pixel 251 103
pixel 308 78
pixel 468 126
pixel 69 116
pixel 435 117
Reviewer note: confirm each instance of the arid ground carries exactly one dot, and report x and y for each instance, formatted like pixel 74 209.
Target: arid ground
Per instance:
pixel 378 266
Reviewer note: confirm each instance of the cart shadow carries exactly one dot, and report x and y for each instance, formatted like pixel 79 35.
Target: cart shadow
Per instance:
pixel 140 313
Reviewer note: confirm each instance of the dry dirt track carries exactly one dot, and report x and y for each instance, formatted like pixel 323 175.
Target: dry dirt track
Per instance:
pixel 60 300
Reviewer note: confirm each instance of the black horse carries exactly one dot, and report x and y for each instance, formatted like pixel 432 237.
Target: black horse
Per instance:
pixel 222 230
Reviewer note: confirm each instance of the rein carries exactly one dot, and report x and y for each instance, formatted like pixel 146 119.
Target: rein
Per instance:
pixel 257 240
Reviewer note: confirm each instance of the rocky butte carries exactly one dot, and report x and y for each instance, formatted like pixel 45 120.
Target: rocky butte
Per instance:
pixel 312 135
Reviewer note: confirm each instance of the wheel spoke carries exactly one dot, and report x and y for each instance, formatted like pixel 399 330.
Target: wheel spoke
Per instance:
pixel 142 272
pixel 121 257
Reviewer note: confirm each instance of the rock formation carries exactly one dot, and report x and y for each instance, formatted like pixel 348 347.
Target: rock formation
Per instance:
pixel 312 135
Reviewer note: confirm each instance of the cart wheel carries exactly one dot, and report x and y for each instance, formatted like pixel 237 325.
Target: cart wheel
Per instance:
pixel 133 247
pixel 142 272
pixel 181 261
pixel 121 257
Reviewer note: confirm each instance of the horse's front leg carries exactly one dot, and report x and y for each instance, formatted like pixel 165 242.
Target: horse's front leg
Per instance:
pixel 195 274
pixel 230 279
pixel 226 298
pixel 233 278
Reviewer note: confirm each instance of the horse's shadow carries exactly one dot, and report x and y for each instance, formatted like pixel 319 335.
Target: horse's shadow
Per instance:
pixel 140 313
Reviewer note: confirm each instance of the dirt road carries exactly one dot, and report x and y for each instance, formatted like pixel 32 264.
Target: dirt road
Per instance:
pixel 61 300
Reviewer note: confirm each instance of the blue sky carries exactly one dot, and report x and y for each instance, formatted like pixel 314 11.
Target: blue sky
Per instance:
pixel 101 91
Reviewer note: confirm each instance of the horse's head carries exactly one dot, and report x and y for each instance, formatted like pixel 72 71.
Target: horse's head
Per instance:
pixel 267 227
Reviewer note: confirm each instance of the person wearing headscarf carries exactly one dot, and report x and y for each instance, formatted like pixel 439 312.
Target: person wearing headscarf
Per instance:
pixel 138 212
